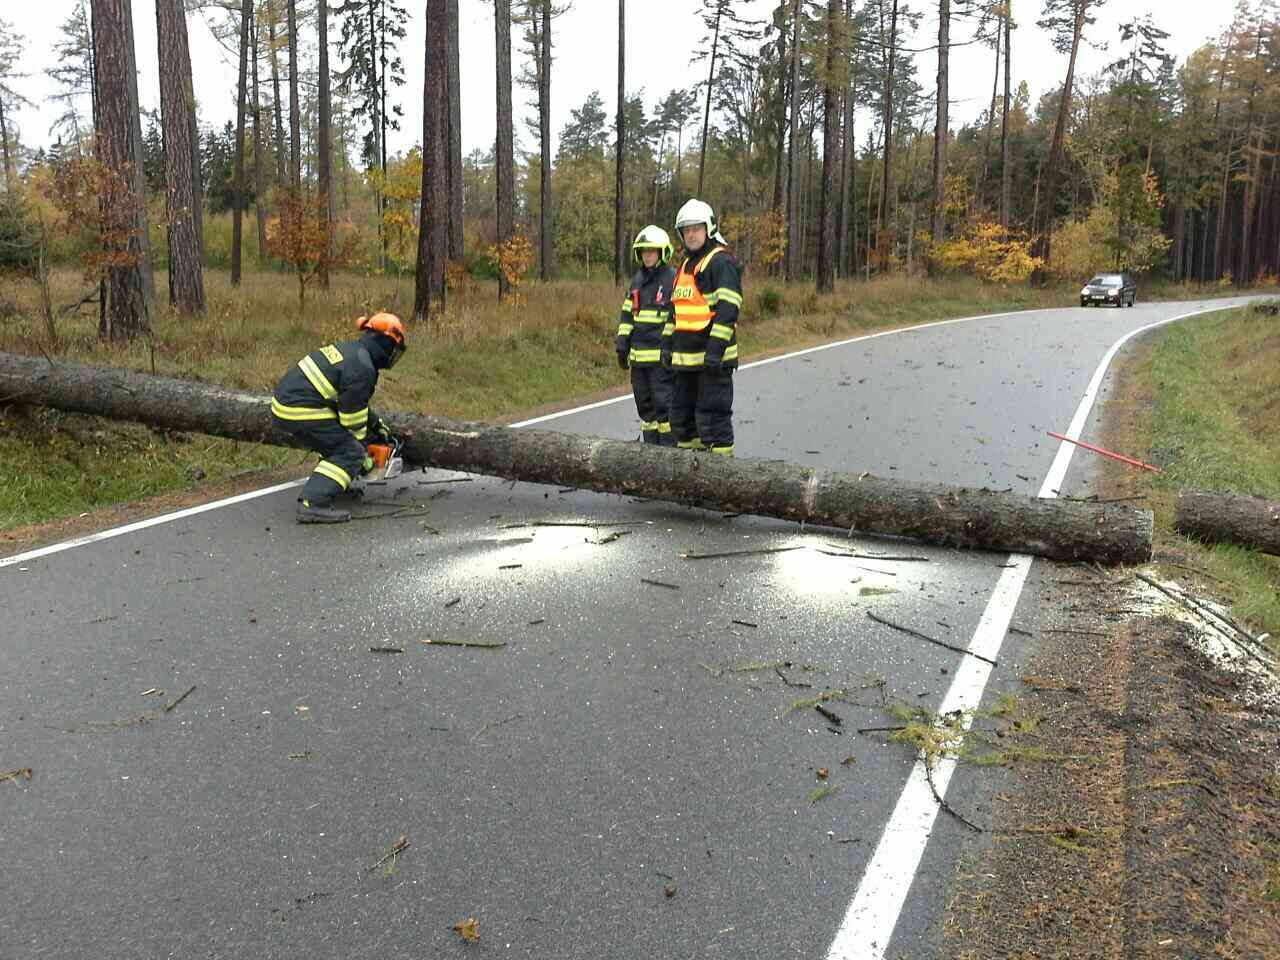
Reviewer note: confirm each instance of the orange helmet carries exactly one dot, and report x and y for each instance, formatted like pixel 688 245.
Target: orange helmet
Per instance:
pixel 389 325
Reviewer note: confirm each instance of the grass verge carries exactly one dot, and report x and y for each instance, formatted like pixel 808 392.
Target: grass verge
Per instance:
pixel 1200 400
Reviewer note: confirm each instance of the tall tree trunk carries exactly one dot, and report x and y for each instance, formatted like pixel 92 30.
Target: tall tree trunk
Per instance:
pixel 1006 170
pixel 544 136
pixel 1044 230
pixel 503 148
pixel 826 280
pixel 4 146
pixel 182 196
pixel 938 221
pixel 711 79
pixel 779 204
pixel 619 237
pixel 791 259
pixel 433 222
pixel 119 144
pixel 1220 226
pixel 457 239
pixel 848 157
pixel 887 189
pixel 237 190
pixel 980 182
pixel 272 20
pixel 259 169
pixel 295 115
pixel 324 164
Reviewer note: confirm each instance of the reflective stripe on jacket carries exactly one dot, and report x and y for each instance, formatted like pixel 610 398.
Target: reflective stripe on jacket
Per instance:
pixel 705 307
pixel 334 382
pixel 645 314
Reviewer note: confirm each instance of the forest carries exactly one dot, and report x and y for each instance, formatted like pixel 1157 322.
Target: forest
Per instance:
pixel 1161 166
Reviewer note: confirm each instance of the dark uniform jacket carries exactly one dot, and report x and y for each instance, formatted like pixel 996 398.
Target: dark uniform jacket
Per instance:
pixel 645 313
pixel 334 382
pixel 706 300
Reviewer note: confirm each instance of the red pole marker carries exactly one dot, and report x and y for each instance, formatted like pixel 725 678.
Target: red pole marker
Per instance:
pixel 1106 453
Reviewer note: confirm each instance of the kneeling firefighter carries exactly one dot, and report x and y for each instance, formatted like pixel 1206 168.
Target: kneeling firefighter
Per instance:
pixel 323 401
pixel 645 314
pixel 702 346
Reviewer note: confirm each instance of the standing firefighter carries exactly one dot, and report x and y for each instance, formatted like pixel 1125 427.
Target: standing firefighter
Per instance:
pixel 645 314
pixel 702 348
pixel 323 401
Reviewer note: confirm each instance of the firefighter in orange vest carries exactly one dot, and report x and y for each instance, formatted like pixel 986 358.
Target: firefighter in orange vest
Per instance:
pixel 701 342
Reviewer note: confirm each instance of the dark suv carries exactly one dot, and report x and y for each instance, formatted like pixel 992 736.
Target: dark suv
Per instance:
pixel 1115 288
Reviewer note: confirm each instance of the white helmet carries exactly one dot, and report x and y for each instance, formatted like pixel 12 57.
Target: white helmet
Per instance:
pixel 696 211
pixel 652 238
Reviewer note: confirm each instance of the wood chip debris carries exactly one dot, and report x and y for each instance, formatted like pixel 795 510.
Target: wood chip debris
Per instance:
pixel 468 929
pixel 22 773
pixel 397 848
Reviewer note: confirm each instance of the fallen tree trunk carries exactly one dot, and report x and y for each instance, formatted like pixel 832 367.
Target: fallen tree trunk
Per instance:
pixel 932 513
pixel 1229 518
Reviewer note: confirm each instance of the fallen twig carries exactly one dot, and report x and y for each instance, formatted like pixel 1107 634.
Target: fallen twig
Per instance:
pixel 746 623
pixel 177 700
pixel 1075 631
pixel 22 773
pixel 1209 614
pixel 401 844
pixel 493 724
pixel 894 729
pixel 759 552
pixel 928 775
pixel 482 644
pixel 452 603
pixel 792 683
pixel 828 714
pixel 659 583
pixel 1020 632
pixel 403 513
pixel 386 649
pixel 427 483
pixel 936 642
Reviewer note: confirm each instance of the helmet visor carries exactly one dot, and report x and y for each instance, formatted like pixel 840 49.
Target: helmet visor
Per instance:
pixel 397 351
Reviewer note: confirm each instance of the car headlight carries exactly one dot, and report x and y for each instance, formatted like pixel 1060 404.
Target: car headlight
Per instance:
pixel 1084 291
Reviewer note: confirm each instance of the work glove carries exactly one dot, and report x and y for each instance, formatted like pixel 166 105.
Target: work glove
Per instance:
pixel 383 431
pixel 623 360
pixel 366 466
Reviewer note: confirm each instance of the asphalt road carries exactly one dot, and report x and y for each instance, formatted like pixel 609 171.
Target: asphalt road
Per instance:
pixel 624 740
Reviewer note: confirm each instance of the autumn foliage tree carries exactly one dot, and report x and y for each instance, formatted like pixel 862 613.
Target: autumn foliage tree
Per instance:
pixel 301 237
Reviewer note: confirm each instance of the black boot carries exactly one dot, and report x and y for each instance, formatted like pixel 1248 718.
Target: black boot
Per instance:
pixel 309 512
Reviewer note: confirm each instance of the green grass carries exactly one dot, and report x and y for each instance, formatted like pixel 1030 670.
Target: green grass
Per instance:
pixel 477 360
pixel 1214 389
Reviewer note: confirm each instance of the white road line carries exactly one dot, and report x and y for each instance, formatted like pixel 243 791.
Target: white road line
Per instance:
pixel 877 903
pixel 253 494
pixel 143 524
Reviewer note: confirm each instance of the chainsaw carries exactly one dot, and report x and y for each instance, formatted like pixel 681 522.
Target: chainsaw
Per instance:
pixel 387 462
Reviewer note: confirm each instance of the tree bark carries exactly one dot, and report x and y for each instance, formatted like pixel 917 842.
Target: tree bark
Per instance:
pixel 1006 171
pixel 619 235
pixel 237 213
pixel 887 188
pixel 182 196
pixel 937 223
pixel 4 148
pixel 433 217
pixel 711 79
pixel 1229 518
pixel 295 115
pixel 129 283
pixel 779 204
pixel 504 147
pixel 845 223
pixel 1044 232
pixel 826 279
pixel 457 239
pixel 932 513
pixel 259 167
pixel 324 164
pixel 275 86
pixel 544 136
pixel 791 258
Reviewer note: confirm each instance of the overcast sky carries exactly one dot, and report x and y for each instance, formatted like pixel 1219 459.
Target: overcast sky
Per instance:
pixel 585 50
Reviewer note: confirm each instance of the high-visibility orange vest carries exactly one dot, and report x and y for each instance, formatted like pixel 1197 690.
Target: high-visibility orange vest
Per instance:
pixel 692 312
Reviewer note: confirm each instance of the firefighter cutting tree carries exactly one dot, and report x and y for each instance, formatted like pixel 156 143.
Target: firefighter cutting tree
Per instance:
pixel 702 346
pixel 323 401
